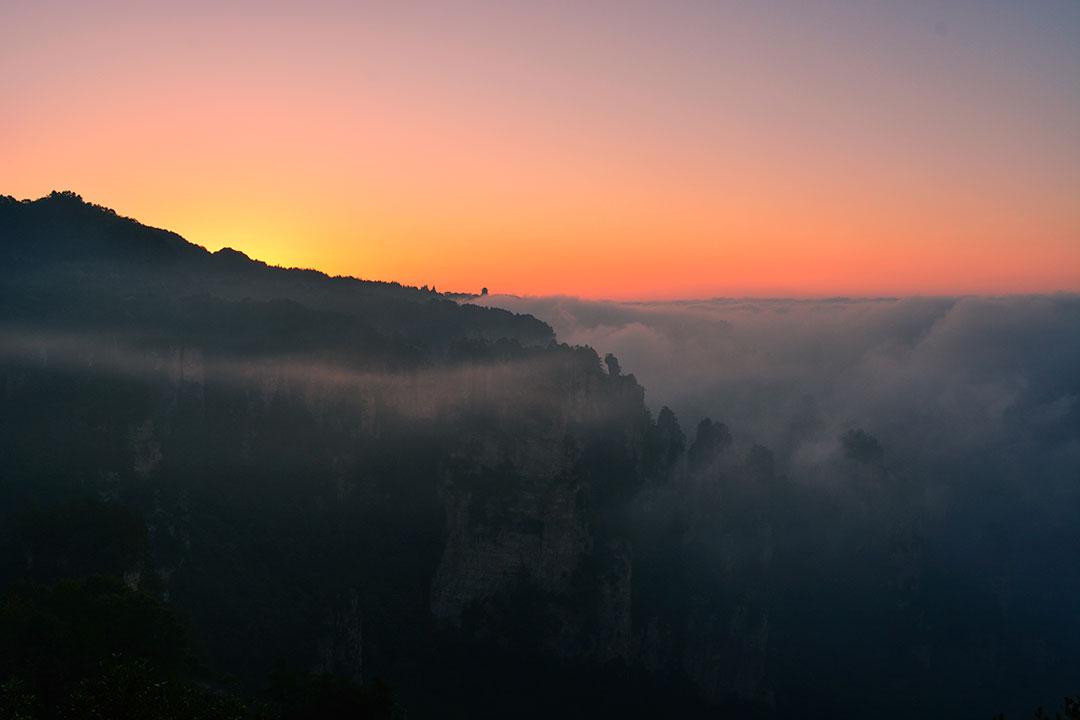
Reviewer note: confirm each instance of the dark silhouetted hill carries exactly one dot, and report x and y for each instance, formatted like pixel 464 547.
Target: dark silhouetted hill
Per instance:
pixel 66 262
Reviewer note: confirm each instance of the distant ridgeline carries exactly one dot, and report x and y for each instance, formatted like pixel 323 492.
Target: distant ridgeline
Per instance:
pixel 234 490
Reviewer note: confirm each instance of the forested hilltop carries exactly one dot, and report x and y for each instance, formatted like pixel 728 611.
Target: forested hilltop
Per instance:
pixel 230 490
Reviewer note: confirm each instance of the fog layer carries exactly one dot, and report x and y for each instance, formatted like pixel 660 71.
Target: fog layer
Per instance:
pixel 936 380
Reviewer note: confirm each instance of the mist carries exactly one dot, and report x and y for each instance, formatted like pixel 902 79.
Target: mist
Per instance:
pixel 513 383
pixel 932 378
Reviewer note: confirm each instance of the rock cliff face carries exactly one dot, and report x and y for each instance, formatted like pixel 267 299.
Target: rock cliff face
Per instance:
pixel 540 538
pixel 522 512
pixel 537 536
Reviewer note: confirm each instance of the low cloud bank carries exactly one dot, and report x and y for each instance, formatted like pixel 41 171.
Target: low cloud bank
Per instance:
pixel 508 388
pixel 941 382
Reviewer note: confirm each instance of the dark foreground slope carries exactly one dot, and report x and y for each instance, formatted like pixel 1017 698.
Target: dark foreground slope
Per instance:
pixel 230 490
pixel 320 475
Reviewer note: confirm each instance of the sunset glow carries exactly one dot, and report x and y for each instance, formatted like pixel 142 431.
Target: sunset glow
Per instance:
pixel 627 150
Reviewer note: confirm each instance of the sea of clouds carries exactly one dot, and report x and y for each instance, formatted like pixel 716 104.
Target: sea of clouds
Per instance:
pixel 946 384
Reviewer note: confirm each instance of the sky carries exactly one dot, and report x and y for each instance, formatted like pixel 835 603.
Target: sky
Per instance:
pixel 604 149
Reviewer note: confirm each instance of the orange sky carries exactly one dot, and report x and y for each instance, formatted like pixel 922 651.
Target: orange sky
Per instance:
pixel 624 150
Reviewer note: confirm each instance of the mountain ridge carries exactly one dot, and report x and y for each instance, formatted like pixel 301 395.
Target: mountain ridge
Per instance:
pixel 89 251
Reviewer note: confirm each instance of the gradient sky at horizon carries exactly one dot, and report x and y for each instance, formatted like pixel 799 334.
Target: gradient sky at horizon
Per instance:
pixel 624 150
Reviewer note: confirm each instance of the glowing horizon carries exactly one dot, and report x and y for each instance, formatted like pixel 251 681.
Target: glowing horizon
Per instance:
pixel 623 150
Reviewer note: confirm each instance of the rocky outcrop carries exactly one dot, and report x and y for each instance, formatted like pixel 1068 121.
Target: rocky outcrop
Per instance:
pixel 519 513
